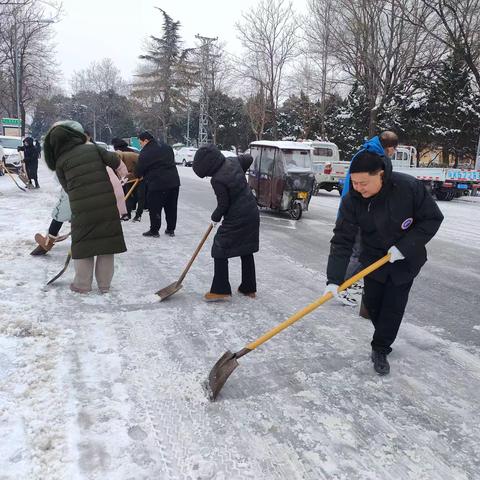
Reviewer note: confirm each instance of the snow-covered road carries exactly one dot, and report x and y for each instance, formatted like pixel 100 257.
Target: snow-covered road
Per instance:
pixel 110 387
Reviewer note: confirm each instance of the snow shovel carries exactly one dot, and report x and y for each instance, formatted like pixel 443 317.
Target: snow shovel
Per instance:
pixel 166 292
pixel 7 171
pixel 228 361
pixel 63 270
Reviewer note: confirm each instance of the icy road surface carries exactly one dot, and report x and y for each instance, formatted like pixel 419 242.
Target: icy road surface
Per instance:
pixel 110 387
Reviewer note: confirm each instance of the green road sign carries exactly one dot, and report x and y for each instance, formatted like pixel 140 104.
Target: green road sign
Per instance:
pixel 14 122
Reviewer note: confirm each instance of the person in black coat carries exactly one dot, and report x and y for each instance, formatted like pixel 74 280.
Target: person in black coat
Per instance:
pixel 394 213
pixel 238 235
pixel 30 157
pixel 156 164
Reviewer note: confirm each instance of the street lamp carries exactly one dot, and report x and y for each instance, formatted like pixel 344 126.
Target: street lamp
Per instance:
pixel 17 63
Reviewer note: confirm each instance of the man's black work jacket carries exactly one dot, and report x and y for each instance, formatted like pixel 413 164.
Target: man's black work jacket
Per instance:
pixel 156 164
pixel 403 214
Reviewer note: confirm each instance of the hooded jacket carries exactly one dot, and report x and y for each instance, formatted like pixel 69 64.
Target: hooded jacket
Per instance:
pixel 402 214
pixel 81 170
pixel 239 233
pixel 30 152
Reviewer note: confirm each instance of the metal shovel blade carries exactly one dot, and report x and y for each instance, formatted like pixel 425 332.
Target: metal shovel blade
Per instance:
pixel 62 271
pixel 220 373
pixel 166 292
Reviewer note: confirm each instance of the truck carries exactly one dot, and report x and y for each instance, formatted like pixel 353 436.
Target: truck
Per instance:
pixel 329 170
pixel 444 183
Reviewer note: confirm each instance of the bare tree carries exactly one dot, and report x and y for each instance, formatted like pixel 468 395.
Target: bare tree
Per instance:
pixel 269 37
pixel 100 76
pixel 256 112
pixel 377 47
pixel 319 23
pixel 28 69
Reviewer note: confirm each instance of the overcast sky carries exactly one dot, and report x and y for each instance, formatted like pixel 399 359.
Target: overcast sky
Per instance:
pixel 95 29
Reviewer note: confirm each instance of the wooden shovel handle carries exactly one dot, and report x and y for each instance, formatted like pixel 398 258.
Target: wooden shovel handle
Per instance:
pixel 132 188
pixel 195 253
pixel 320 301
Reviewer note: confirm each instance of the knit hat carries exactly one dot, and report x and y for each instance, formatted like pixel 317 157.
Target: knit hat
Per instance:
pixel 367 162
pixel 119 143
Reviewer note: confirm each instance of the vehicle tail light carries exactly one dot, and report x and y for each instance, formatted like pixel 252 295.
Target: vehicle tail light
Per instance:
pixel 328 169
pixel 448 185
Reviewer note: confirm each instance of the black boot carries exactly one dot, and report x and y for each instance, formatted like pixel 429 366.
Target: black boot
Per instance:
pixel 170 233
pixel 151 233
pixel 380 362
pixel 137 218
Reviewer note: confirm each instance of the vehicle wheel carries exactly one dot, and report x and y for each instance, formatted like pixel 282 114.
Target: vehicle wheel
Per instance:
pixel 184 162
pixel 296 211
pixel 441 195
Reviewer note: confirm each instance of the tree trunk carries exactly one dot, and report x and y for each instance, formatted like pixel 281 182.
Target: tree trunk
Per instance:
pixel 445 157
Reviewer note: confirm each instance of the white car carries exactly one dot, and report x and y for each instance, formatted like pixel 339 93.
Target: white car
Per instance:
pixel 11 157
pixel 228 153
pixel 184 156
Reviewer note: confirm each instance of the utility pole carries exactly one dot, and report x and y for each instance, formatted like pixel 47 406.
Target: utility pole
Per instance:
pixel 477 160
pixel 205 87
pixel 17 69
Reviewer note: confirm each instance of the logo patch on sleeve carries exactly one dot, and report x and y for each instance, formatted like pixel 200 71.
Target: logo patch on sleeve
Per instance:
pixel 406 223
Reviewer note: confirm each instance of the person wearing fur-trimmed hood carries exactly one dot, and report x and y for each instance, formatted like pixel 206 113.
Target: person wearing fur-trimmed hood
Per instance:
pixel 96 229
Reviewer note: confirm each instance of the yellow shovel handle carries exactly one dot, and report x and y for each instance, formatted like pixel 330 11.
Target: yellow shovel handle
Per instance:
pixel 320 301
pixel 132 188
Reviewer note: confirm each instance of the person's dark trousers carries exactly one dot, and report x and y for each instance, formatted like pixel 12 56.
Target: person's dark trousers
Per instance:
pixel 386 304
pixel 221 284
pixel 32 168
pixel 249 282
pixel 54 227
pixel 140 199
pixel 170 206
pixel 158 200
pixel 132 199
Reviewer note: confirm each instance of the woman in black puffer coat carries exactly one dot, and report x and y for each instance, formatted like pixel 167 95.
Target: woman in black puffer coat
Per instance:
pixel 238 235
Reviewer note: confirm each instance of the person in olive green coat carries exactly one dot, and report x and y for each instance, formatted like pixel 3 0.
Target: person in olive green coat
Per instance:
pixel 96 227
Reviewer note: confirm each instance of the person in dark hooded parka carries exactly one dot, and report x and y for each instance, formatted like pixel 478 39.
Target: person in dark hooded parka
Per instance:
pixel 238 235
pixel 394 213
pixel 96 229
pixel 30 157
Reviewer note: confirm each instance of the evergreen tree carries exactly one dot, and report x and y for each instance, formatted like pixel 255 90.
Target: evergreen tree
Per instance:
pixel 163 84
pixel 347 123
pixel 452 109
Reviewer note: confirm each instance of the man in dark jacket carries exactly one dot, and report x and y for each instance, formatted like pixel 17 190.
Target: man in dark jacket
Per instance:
pixel 394 213
pixel 156 164
pixel 239 232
